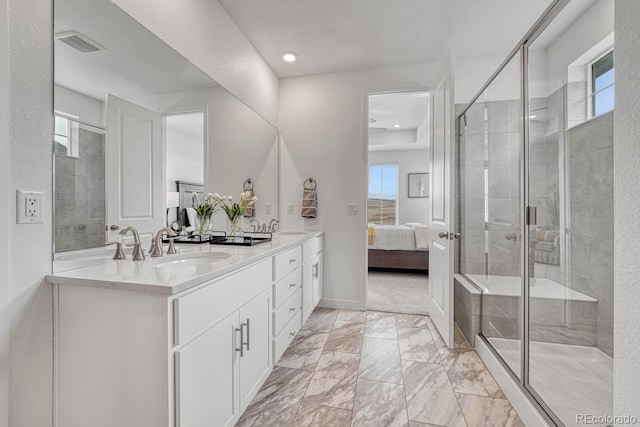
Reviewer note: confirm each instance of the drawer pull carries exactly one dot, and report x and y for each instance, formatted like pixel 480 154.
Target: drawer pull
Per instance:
pixel 292 285
pixel 248 336
pixel 315 270
pixel 292 334
pixel 292 309
pixel 291 261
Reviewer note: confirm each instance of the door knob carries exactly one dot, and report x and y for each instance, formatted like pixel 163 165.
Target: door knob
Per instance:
pixel 511 236
pixel 443 235
pixel 111 227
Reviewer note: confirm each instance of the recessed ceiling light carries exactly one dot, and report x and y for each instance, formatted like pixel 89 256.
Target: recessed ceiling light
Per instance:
pixel 396 125
pixel 289 56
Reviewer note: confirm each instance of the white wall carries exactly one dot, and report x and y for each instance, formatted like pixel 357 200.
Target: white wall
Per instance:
pixel 409 136
pixel 185 156
pixel 30 150
pixel 4 215
pixel 203 32
pixel 321 127
pixel 627 206
pixel 409 161
pixel 88 110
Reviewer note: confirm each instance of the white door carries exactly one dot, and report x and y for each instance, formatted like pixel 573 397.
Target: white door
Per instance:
pixel 255 362
pixel 206 377
pixel 134 167
pixel 441 212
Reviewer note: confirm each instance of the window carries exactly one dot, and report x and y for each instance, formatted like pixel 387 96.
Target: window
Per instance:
pixel 602 81
pixel 65 137
pixel 383 194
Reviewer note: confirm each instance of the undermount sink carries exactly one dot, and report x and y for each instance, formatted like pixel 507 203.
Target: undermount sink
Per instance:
pixel 198 259
pixel 291 233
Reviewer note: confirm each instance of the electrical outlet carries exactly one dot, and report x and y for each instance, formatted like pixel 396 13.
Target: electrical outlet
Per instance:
pixel 29 207
pixel 290 208
pixel 267 208
pixel 352 208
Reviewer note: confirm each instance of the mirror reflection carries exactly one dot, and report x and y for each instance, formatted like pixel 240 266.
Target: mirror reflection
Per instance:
pixel 137 127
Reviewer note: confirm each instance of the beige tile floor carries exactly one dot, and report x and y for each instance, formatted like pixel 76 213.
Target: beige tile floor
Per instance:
pixel 397 292
pixel 349 368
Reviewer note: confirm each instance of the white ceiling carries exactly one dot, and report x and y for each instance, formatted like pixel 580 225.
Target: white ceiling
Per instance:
pixel 340 35
pixel 407 109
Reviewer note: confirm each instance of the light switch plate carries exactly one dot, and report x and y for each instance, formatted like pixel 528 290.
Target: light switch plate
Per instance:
pixel 29 207
pixel 352 208
pixel 290 208
pixel 267 208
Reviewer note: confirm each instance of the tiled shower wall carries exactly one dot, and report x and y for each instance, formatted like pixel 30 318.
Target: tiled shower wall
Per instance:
pixel 491 253
pixel 80 195
pixel 591 219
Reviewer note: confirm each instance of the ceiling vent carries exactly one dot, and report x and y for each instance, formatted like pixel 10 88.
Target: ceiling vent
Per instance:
pixel 79 41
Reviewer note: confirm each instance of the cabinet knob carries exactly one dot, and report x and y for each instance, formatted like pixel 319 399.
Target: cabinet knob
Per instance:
pixel 292 285
pixel 292 309
pixel 291 261
pixel 292 334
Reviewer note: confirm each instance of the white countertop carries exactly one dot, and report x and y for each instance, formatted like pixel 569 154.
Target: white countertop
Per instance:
pixel 147 276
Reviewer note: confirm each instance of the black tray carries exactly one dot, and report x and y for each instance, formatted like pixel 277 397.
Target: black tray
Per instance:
pixel 238 240
pixel 193 239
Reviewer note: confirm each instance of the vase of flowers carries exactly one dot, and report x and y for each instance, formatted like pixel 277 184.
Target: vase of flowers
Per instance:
pixel 204 206
pixel 235 210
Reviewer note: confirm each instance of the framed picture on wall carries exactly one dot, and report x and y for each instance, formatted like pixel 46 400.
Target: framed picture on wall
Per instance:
pixel 418 185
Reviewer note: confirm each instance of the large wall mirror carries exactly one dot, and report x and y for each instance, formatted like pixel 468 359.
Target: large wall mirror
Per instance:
pixel 135 121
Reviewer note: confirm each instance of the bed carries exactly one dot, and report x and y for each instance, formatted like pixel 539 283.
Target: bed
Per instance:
pixel 404 247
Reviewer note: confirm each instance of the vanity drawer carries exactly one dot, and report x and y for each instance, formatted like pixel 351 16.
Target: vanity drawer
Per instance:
pixel 311 248
pixel 286 336
pixel 286 262
pixel 204 307
pixel 286 287
pixel 286 311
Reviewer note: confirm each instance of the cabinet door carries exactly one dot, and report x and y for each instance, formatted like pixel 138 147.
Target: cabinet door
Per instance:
pixel 317 279
pixel 255 362
pixel 307 289
pixel 206 377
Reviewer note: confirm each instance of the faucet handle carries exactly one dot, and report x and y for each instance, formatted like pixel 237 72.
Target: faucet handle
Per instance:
pixel 172 247
pixel 119 252
pixel 138 253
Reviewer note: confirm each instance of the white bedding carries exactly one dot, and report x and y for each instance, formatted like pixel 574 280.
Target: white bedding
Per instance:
pixel 411 237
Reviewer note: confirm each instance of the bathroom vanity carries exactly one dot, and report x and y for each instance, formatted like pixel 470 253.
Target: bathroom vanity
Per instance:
pixel 181 340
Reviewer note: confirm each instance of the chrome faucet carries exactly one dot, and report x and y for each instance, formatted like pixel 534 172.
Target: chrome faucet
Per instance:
pixel 255 225
pixel 138 253
pixel 273 225
pixel 156 250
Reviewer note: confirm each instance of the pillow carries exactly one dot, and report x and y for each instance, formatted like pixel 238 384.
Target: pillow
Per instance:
pixel 192 217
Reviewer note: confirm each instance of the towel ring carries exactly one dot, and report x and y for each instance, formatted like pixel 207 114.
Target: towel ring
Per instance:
pixel 248 185
pixel 312 182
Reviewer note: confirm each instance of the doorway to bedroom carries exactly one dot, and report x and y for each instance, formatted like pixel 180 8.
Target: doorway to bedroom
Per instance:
pixel 398 202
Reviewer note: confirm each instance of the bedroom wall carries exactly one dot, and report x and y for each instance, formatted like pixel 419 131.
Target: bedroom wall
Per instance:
pixel 185 156
pixel 409 161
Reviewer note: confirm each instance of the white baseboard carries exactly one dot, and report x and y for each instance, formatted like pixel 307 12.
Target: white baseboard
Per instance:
pixel 342 304
pixel 519 400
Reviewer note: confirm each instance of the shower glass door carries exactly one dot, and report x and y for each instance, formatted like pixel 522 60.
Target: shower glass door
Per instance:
pixel 490 159
pixel 570 161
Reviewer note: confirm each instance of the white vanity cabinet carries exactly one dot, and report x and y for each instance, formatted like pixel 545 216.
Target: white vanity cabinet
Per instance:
pixel 311 276
pixel 287 295
pixel 133 359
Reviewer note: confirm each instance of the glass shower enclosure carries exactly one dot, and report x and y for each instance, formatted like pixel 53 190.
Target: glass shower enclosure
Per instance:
pixel 535 198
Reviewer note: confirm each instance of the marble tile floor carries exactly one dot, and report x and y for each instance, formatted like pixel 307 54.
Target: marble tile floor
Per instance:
pixel 571 379
pixel 377 369
pixel 398 292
